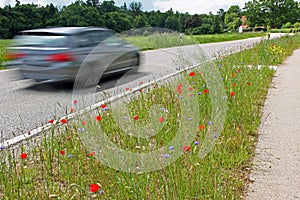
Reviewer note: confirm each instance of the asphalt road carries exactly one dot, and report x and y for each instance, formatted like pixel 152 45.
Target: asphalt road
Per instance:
pixel 26 105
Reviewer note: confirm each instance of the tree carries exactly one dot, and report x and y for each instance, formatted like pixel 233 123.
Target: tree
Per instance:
pixel 273 13
pixel 78 14
pixel 18 3
pixel 124 7
pixel 193 22
pixel 117 21
pixel 172 22
pixel 93 3
pixel 233 18
pixel 135 8
pixel 156 18
pixel 108 6
pixel 221 16
pixel 140 21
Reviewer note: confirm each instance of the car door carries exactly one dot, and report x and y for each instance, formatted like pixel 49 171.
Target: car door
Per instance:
pixel 120 55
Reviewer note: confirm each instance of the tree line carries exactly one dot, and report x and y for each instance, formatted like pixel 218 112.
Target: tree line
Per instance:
pixel 264 13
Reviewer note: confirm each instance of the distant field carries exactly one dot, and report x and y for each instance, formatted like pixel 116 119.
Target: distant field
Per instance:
pixel 164 41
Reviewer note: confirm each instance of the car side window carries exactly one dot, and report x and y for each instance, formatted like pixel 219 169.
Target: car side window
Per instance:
pixel 114 41
pixel 92 38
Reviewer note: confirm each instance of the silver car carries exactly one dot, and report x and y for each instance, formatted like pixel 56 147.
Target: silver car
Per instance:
pixel 71 53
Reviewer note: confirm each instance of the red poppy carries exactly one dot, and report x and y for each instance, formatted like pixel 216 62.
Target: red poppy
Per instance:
pixel 232 94
pixel 191 89
pixel 135 117
pixel 93 153
pixel 191 95
pixel 186 148
pixel 179 88
pixel 192 74
pixel 51 121
pixel 83 122
pixel 141 82
pixel 75 101
pixel 249 83
pixel 23 156
pixel 232 75
pixel 201 127
pixel 62 152
pixel 206 91
pixel 95 187
pixel 98 118
pixel 234 84
pixel 103 106
pixel 128 88
pixel 162 119
pixel 72 110
pixel 238 71
pixel 63 121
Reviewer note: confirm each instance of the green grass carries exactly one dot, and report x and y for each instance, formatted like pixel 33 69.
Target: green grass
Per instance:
pixel 3 45
pixel 47 172
pixel 225 37
pixel 285 30
pixel 157 41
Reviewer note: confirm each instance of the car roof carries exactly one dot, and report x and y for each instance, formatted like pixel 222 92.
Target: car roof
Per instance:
pixel 64 30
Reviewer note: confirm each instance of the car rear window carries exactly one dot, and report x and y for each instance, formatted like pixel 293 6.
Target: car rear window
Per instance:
pixel 41 40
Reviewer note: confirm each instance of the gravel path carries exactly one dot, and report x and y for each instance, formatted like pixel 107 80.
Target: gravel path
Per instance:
pixel 276 172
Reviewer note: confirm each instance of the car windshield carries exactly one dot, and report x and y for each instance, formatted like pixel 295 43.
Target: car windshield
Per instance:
pixel 40 40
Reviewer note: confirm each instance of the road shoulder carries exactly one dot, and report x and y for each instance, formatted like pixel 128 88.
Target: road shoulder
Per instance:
pixel 276 170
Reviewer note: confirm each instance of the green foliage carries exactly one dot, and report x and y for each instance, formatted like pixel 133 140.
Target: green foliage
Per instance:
pixel 172 22
pixel 262 13
pixel 297 25
pixel 3 45
pixel 78 14
pixel 284 30
pixel 287 25
pixel 108 6
pixel 233 18
pixel 118 21
pixel 273 13
pixel 140 21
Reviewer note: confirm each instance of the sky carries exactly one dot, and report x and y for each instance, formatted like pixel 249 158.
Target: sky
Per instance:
pixel 183 6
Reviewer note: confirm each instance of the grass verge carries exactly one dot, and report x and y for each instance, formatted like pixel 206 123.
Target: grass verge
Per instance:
pixel 61 167
pixel 157 41
pixel 3 45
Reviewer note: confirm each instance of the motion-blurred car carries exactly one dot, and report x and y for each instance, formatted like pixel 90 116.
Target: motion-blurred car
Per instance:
pixel 66 53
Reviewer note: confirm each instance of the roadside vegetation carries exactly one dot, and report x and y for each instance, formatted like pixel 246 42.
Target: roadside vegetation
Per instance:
pixel 156 41
pixel 3 45
pixel 59 166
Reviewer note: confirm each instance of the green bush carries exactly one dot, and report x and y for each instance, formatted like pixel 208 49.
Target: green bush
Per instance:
pixel 287 25
pixel 297 25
